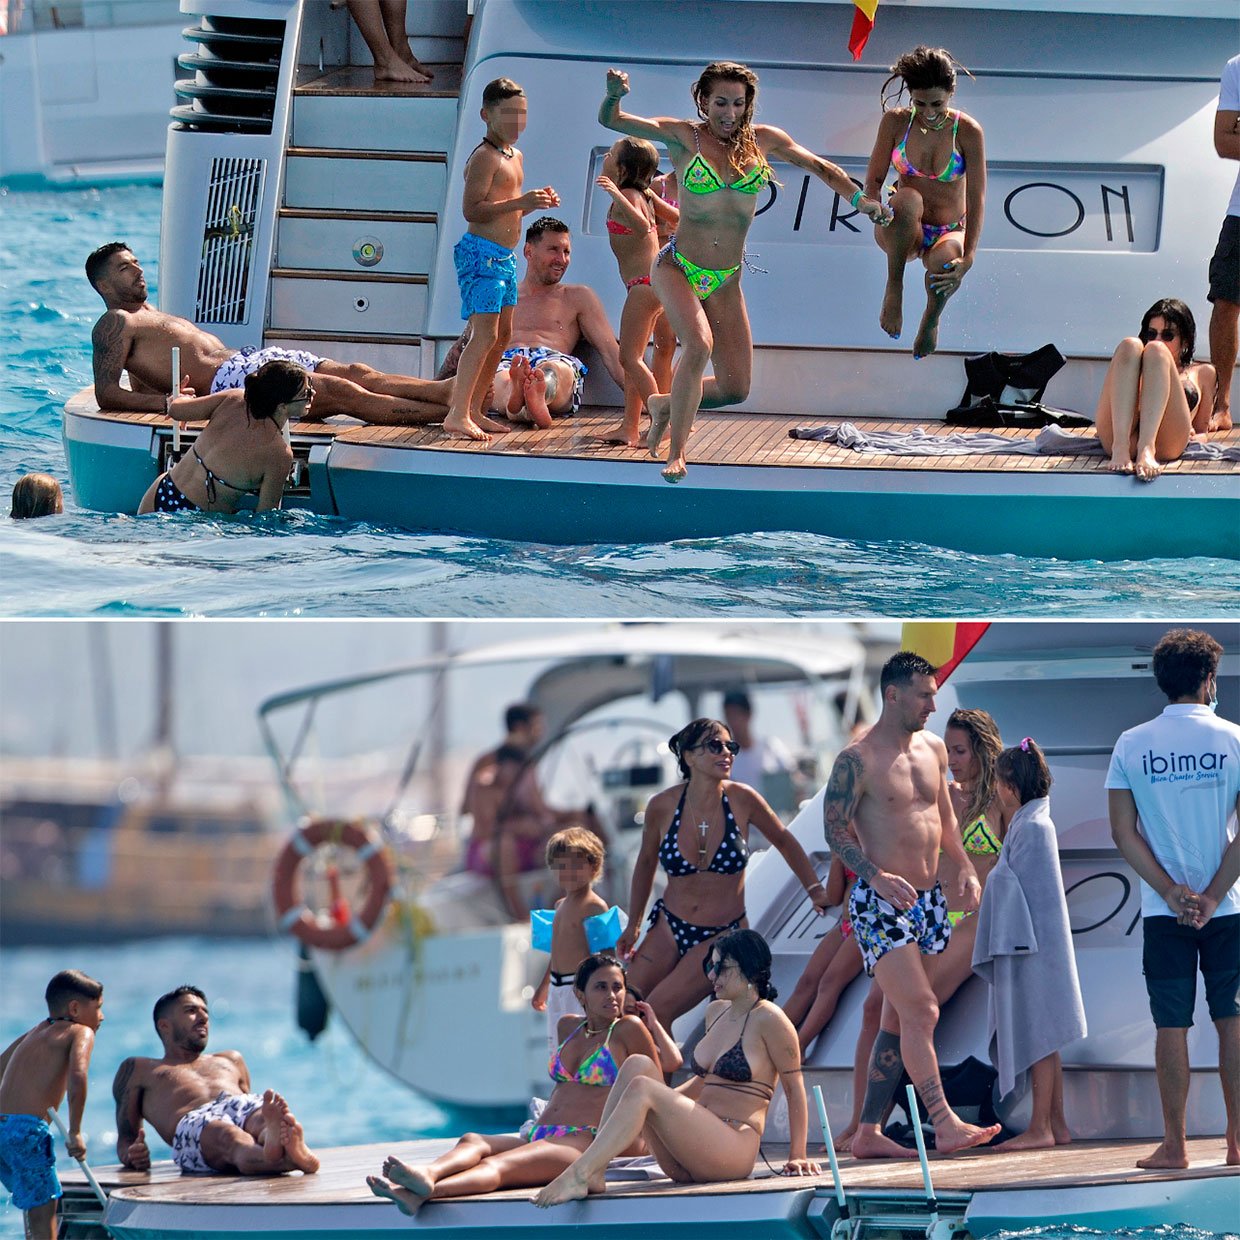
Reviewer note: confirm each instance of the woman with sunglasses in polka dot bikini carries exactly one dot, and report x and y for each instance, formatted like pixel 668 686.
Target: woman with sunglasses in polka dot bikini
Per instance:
pixel 1154 397
pixel 698 832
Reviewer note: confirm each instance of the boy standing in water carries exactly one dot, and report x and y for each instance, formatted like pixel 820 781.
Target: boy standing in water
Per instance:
pixel 34 1074
pixel 486 261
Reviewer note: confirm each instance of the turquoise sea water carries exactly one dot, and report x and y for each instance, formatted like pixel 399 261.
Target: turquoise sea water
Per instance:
pixel 338 1094
pixel 296 564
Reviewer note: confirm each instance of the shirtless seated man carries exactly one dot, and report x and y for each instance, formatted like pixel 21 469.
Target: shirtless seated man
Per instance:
pixel 133 335
pixel 539 378
pixel 886 815
pixel 201 1104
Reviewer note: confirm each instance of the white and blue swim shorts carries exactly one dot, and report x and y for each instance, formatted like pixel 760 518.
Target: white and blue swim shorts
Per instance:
pixel 187 1140
pixel 233 372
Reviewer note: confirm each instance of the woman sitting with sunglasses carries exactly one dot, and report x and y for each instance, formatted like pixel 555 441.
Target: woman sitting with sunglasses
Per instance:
pixel 241 451
pixel 710 1128
pixel 1154 396
pixel 698 832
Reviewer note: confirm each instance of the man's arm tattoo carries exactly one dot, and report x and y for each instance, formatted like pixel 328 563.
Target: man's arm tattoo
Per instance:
pixel 107 341
pixel 839 803
pixel 125 1129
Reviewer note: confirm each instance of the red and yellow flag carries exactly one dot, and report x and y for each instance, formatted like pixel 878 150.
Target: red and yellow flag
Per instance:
pixel 942 642
pixel 863 23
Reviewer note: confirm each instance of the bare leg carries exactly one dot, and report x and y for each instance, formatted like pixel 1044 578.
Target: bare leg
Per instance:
pixel 334 394
pixel 1117 406
pixel 408 387
pixel 835 980
pixel 689 321
pixel 371 17
pixel 684 987
pixel 1164 424
pixel 471 372
pixel 1229 1075
pixel 1171 1068
pixel 948 247
pixel 901 241
pixel 664 353
pixel 486 380
pixel 802 997
pixel 871 1013
pixel 394 24
pixel 1224 327
pixel 1039 1135
pixel 1059 1122
pixel 655 958
pixel 641 309
pixel 907 989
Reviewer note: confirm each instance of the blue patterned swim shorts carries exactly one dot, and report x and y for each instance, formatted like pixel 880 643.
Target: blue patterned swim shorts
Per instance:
pixel 187 1140
pixel 880 927
pixel 537 353
pixel 232 373
pixel 28 1161
pixel 487 275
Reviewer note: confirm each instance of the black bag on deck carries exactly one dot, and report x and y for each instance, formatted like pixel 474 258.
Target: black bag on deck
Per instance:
pixel 1005 389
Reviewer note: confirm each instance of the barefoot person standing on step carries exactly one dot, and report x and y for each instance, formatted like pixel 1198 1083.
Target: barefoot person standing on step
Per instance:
pixel 887 814
pixel 201 1104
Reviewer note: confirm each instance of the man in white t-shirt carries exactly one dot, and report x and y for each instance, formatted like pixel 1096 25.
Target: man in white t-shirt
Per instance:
pixel 1225 265
pixel 1173 793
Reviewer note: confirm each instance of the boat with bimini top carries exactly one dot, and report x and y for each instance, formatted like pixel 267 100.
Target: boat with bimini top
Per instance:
pixel 319 212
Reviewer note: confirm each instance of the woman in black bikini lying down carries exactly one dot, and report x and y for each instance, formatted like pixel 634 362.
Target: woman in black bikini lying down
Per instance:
pixel 711 1127
pixel 698 832
pixel 242 450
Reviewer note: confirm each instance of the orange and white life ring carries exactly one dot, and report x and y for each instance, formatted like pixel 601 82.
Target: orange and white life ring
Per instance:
pixel 293 917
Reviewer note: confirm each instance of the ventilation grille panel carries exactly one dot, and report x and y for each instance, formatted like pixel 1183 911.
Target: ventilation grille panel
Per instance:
pixel 233 195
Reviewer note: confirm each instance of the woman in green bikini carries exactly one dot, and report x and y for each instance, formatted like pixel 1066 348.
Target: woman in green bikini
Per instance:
pixel 723 163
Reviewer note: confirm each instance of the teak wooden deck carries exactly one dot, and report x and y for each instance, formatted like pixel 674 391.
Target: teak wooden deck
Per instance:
pixel 342 1178
pixel 719 438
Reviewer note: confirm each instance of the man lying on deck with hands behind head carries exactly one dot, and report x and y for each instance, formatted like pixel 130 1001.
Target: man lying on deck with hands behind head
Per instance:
pixel 133 335
pixel 201 1104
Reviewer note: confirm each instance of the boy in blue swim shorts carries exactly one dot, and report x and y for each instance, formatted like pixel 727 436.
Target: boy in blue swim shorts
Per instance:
pixel 486 262
pixel 35 1072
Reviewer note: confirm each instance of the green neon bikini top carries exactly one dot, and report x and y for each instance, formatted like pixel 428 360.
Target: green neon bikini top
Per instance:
pixel 979 840
pixel 700 178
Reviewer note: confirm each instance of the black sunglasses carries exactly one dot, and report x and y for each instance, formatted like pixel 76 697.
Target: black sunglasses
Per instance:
pixel 1166 335
pixel 718 746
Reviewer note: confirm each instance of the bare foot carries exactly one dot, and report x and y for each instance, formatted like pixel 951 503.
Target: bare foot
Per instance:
pixel 1061 1132
pixel 675 469
pixel 274 1110
pixel 1029 1140
pixel 405 52
pixel 536 398
pixel 490 425
pixel 415 1179
pixel 1146 466
pixel 660 406
pixel 621 435
pixel 927 339
pixel 1220 420
pixel 518 372
pixel 1233 1152
pixel 1119 465
pixel 397 70
pixel 296 1151
pixel 569 1185
pixel 891 316
pixel 462 426
pixel 868 1143
pixel 843 1143
pixel 956 1136
pixel 406 1202
pixel 1165 1158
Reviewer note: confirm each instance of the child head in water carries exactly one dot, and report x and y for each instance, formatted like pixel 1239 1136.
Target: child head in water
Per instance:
pixel 36 495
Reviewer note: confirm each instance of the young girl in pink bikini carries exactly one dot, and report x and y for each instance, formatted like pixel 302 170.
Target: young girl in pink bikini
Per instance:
pixel 633 226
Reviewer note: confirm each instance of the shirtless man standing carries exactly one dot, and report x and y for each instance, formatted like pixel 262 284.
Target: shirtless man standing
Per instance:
pixel 887 813
pixel 133 335
pixel 539 378
pixel 201 1104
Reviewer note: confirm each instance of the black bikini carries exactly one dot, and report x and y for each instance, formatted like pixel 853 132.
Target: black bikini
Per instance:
pixel 1191 394
pixel 733 1066
pixel 731 857
pixel 213 478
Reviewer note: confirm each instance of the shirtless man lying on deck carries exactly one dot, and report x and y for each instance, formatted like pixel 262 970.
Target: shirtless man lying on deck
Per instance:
pixel 539 378
pixel 134 336
pixel 891 786
pixel 201 1105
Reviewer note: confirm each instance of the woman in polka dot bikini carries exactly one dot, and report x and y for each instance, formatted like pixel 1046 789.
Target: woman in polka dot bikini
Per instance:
pixel 698 832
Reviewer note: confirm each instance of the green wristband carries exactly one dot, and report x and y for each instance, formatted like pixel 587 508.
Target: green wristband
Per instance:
pixel 855 200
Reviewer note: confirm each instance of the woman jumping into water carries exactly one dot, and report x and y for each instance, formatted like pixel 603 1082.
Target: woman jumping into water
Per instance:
pixel 938 199
pixel 722 163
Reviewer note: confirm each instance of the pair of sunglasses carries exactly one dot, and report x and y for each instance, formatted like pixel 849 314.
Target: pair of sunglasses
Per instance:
pixel 718 746
pixel 1167 335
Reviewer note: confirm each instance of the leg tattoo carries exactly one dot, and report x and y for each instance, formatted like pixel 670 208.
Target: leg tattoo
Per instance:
pixel 934 1099
pixel 886 1069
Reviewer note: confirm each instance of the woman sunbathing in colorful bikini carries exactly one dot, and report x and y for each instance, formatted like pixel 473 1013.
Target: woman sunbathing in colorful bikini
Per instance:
pixel 722 162
pixel 584 1068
